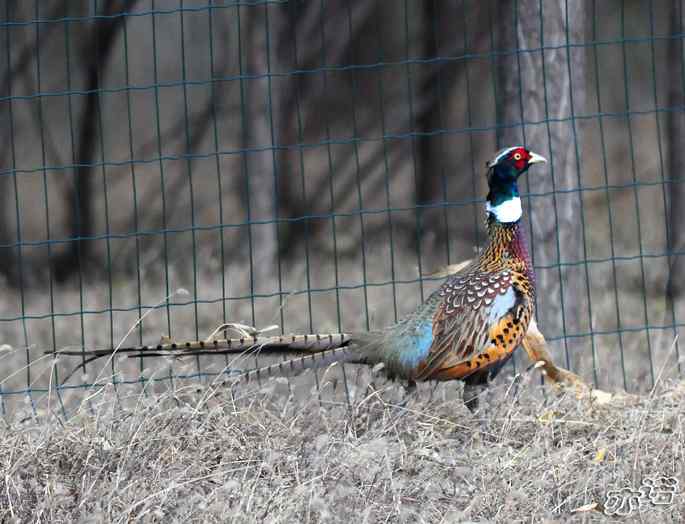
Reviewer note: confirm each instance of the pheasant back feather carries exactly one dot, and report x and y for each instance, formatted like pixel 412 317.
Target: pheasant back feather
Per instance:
pixel 484 311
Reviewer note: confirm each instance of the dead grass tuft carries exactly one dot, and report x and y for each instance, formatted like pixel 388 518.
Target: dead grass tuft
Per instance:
pixel 531 454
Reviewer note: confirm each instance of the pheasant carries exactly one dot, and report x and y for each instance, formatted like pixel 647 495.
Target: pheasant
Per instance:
pixel 466 330
pixel 469 327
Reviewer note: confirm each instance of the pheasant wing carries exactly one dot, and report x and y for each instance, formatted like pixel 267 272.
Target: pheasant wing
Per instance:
pixel 471 306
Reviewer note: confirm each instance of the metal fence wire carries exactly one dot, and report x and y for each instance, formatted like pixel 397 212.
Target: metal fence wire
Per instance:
pixel 311 164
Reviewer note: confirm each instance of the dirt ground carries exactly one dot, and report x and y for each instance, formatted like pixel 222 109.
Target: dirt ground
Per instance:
pixel 197 454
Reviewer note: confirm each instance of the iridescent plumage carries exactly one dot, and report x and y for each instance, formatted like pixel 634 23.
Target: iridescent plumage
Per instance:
pixel 469 327
pixel 466 330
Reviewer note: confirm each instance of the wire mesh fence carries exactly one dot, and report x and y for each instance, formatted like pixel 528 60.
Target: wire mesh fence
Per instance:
pixel 310 164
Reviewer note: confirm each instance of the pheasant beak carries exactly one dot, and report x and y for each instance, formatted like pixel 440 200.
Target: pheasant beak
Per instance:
pixel 536 159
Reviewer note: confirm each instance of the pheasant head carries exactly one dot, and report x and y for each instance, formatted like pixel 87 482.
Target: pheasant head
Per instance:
pixel 503 201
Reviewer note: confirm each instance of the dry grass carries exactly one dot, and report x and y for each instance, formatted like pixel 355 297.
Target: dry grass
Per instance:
pixel 529 455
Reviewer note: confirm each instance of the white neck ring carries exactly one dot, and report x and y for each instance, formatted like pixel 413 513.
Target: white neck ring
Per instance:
pixel 508 211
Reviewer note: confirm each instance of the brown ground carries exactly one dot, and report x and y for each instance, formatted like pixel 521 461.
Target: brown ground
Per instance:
pixel 530 454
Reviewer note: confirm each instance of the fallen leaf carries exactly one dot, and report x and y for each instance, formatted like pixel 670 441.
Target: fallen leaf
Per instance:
pixel 599 456
pixel 548 417
pixel 587 507
pixel 601 397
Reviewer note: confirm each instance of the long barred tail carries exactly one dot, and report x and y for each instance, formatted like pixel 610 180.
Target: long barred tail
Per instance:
pixel 296 365
pixel 315 342
pixel 319 349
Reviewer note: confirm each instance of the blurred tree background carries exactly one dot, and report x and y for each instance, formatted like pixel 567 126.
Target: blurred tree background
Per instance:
pixel 310 162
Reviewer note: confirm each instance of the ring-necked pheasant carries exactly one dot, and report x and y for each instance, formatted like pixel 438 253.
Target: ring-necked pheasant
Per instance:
pixel 469 327
pixel 466 330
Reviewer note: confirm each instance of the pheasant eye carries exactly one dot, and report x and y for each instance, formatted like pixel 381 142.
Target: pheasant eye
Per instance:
pixel 517 156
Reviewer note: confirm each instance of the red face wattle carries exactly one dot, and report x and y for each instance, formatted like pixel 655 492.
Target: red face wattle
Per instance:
pixel 513 161
pixel 519 157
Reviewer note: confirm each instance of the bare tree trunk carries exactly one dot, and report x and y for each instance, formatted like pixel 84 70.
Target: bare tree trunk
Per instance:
pixel 258 161
pixel 676 150
pixel 7 159
pixel 96 54
pixel 543 89
pixel 20 55
pixel 438 79
pixel 288 20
